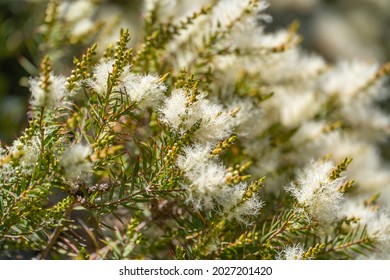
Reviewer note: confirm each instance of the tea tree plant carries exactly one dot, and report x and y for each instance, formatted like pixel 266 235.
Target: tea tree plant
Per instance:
pixel 209 139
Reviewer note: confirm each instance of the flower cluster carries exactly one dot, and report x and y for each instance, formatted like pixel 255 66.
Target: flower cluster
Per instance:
pixel 50 97
pixel 181 113
pixel 292 253
pixel 145 90
pixel 318 192
pixel 209 186
pixel 76 163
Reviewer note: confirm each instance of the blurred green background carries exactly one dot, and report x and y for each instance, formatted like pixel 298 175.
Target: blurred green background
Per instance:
pixel 337 29
pixel 18 48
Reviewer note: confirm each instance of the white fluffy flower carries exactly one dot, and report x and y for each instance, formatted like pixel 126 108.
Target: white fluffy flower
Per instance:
pixel 30 155
pixel 146 90
pixel 290 66
pixel 2 151
pixel 207 180
pixel 76 10
pixel 206 175
pixel 292 253
pixel 5 168
pixel 194 157
pixel 27 153
pixel 367 167
pixel 174 109
pixel 207 185
pixel 216 123
pixel 16 150
pixel 247 120
pixel 234 16
pixel 234 207
pixel 165 8
pixel 180 114
pixel 294 106
pixel 377 222
pixel 308 131
pixel 368 120
pixel 101 73
pixel 249 208
pixel 76 162
pixel 317 193
pixel 7 171
pixel 226 12
pixel 53 97
pixel 347 78
pixel 79 14
pixel 83 27
pixel 273 40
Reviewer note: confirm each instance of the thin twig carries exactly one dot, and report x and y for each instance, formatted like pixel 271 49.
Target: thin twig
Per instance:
pixel 53 238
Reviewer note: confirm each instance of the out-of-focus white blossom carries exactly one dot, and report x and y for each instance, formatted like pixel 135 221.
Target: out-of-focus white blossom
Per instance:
pixel 351 30
pixel 291 66
pixel 78 14
pixel 230 16
pixel 347 78
pixel 76 10
pixel 2 151
pixel 308 132
pixel 76 162
pixel 270 40
pixel 368 120
pixel 300 5
pixel 30 155
pixel 376 221
pixel 164 8
pixel 5 168
pixel 226 12
pixel 295 106
pixel 367 167
pixel 248 113
pixel 286 68
pixel 82 27
pixel 53 97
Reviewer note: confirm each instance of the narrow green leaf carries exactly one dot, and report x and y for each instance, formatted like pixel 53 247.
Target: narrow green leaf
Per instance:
pixel 134 175
pixel 1 205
